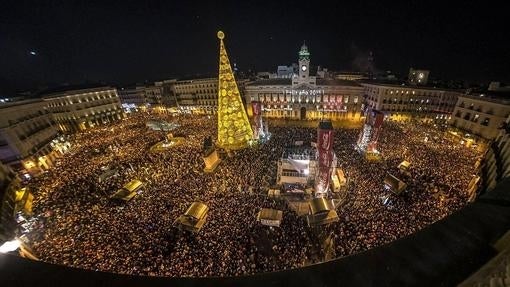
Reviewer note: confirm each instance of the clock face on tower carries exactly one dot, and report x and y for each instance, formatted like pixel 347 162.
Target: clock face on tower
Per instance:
pixel 303 68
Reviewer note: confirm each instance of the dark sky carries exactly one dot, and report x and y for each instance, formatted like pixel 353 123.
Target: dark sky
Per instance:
pixel 126 41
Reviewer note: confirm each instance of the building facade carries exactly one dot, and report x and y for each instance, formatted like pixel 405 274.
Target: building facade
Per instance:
pixel 153 95
pixel 496 162
pixel 401 102
pixel 140 95
pixel 27 131
pixel 197 96
pixel 306 97
pixel 351 76
pixel 168 97
pixel 297 165
pixel 9 184
pixel 286 71
pixel 77 110
pixel 132 96
pixel 481 114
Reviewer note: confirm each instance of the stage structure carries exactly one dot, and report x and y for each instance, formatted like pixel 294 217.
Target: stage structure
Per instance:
pixel 326 158
pixel 367 141
pixel 270 217
pixel 301 168
pixel 234 129
pixel 404 166
pixel 128 191
pixel 297 166
pixel 260 131
pixel 194 218
pixel 322 211
pixel 394 184
pixel 339 181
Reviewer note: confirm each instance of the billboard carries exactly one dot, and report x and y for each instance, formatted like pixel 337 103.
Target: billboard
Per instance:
pixel 256 108
pixel 325 156
pixel 258 129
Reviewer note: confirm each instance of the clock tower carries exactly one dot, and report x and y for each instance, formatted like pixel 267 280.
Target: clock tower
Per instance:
pixel 304 64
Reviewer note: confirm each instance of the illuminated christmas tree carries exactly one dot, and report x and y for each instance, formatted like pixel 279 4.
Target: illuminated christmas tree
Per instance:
pixel 234 129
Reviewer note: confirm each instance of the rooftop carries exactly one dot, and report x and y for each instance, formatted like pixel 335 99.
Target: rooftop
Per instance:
pixel 501 97
pixel 72 90
pixel 298 152
pixel 18 103
pixel 401 84
pixel 272 82
pixel 198 77
pixel 337 82
pixel 288 82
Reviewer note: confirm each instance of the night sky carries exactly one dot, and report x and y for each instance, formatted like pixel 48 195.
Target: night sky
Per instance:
pixel 125 42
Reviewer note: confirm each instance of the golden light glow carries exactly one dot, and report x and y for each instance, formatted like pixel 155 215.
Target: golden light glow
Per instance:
pixel 234 129
pixel 29 164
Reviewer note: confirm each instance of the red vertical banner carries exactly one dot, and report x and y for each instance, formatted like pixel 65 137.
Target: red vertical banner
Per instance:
pixel 325 157
pixel 256 108
pixel 379 118
pixel 377 122
pixel 325 139
pixel 257 118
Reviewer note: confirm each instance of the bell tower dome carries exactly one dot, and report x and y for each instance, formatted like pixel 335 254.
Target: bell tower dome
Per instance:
pixel 304 63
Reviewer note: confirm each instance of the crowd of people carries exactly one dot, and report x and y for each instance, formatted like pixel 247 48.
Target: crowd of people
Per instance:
pixel 80 226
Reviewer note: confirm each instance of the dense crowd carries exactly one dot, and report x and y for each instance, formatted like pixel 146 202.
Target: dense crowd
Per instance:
pixel 80 226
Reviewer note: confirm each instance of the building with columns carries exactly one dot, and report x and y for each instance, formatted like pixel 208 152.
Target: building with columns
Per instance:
pixel 496 162
pixel 481 114
pixel 27 131
pixel 198 96
pixel 9 184
pixel 168 97
pixel 134 95
pixel 76 110
pixel 401 102
pixel 153 94
pixel 305 96
pixel 141 95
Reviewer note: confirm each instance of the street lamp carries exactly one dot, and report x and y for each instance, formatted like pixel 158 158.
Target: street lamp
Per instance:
pixel 10 246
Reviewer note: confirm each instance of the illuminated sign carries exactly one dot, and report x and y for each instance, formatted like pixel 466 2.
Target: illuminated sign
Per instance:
pixel 303 92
